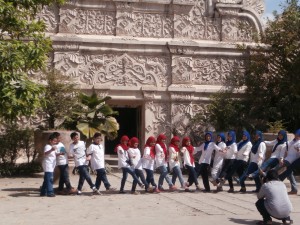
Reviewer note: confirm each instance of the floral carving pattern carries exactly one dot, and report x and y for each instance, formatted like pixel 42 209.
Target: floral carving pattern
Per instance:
pixel 237 30
pixel 47 15
pixel 257 5
pixel 116 70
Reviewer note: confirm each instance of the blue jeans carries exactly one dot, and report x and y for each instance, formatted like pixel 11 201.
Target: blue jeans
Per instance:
pixel 139 174
pixel 251 169
pixel 150 178
pixel 289 173
pixel 64 177
pixel 193 177
pixel 47 187
pixel 270 163
pixel 177 173
pixel 101 176
pixel 127 170
pixel 164 175
pixel 84 175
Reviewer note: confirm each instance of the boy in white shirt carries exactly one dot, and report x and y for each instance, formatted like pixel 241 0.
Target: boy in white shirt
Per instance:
pixel 62 164
pixel 77 150
pixel 95 153
pixel 49 162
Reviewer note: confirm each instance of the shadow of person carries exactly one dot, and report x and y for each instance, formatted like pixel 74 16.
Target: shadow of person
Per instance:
pixel 245 221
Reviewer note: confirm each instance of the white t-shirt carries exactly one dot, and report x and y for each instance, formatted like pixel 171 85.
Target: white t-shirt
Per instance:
pixel 186 157
pixel 174 158
pixel 135 156
pixel 160 156
pixel 280 150
pixel 49 160
pixel 147 161
pixel 206 154
pixel 259 157
pixel 231 151
pixel 61 159
pixel 219 155
pixel 78 151
pixel 244 152
pixel 97 156
pixel 122 158
pixel 292 153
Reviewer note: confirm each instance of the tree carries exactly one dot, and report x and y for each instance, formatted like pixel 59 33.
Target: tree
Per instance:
pixel 60 96
pixel 271 84
pixel 23 48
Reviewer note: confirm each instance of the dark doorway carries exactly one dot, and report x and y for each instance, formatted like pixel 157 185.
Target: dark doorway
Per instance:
pixel 129 120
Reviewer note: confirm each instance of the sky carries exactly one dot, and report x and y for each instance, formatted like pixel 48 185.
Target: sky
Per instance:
pixel 272 5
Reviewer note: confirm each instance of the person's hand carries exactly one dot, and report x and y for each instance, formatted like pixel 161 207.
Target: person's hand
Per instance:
pixel 281 162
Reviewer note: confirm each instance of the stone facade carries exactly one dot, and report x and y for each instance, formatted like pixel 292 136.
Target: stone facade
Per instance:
pixel 164 56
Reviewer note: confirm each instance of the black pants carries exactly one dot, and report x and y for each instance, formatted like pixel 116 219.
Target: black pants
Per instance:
pixel 84 175
pixel 193 177
pixel 64 177
pixel 227 166
pixel 239 167
pixel 203 171
pixel 139 174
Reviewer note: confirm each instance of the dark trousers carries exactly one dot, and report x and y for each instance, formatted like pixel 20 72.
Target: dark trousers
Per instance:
pixel 193 177
pixel 141 176
pixel 239 167
pixel 289 170
pixel 227 166
pixel 101 177
pixel 203 171
pixel 64 177
pixel 127 170
pixel 47 187
pixel 84 175
pixel 150 178
pixel 251 169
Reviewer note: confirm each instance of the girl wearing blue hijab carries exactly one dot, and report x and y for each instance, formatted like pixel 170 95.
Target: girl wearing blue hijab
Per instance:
pixel 240 164
pixel 218 159
pixel 258 151
pixel 230 154
pixel 278 153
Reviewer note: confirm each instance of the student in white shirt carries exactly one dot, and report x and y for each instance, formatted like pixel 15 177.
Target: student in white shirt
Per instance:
pixel 48 164
pixel 148 162
pixel 258 151
pixel 242 156
pixel 174 162
pixel 125 163
pixel 95 153
pixel 218 160
pixel 77 150
pixel 278 153
pixel 135 157
pixel 62 164
pixel 189 162
pixel 292 161
pixel 161 160
pixel 207 149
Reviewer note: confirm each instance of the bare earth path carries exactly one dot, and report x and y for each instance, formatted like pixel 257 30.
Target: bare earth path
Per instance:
pixel 20 203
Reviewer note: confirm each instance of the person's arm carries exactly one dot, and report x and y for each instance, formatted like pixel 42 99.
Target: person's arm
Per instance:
pixel 217 148
pixel 234 148
pixel 53 148
pixel 270 143
pixel 248 147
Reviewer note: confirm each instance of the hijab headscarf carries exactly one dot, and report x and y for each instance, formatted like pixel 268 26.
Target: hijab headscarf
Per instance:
pixel 279 142
pixel 173 141
pixel 162 144
pixel 150 140
pixel 125 147
pixel 190 148
pixel 222 136
pixel 257 143
pixel 244 142
pixel 231 134
pixel 206 143
pixel 133 141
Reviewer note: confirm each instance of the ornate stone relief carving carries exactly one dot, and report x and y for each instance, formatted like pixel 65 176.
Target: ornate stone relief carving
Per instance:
pixel 257 5
pixel 204 70
pixel 158 118
pixel 134 20
pixel 87 21
pixel 47 14
pixel 190 22
pixel 230 1
pixel 116 70
pixel 234 29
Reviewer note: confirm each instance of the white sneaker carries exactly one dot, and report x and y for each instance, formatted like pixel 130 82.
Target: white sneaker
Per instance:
pixel 96 191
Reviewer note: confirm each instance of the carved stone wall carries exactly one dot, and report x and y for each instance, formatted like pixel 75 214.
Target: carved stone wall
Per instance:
pixel 167 56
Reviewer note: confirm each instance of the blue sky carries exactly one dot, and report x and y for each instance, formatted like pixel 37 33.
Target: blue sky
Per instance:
pixel 272 5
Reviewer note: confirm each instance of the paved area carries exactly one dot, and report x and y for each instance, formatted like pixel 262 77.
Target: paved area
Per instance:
pixel 20 203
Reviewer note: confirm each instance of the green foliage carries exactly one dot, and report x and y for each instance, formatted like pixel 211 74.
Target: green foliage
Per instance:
pixel 93 115
pixel 60 96
pixel 23 169
pixel 23 49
